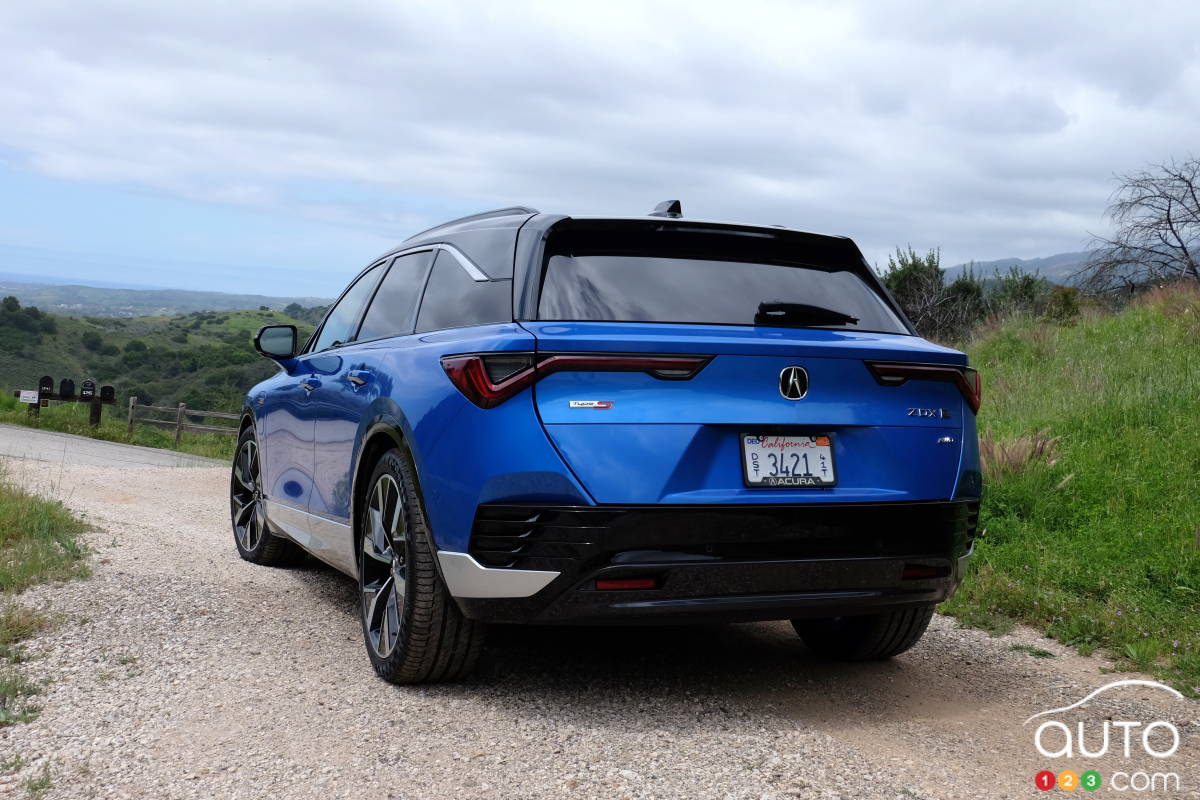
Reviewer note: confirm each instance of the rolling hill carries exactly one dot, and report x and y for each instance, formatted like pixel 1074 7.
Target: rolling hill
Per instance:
pixel 96 301
pixel 1059 268
pixel 204 359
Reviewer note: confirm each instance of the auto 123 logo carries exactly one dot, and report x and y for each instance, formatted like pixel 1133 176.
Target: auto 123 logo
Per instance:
pixel 1086 738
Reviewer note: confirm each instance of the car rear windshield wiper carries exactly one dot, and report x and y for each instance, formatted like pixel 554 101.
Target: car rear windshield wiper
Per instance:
pixel 800 314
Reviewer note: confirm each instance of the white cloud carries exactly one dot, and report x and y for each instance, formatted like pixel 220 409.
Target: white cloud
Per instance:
pixel 988 129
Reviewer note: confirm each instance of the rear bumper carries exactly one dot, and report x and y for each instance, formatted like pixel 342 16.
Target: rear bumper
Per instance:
pixel 541 564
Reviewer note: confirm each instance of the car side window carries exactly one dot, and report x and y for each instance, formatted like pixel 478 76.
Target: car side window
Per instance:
pixel 394 307
pixel 454 300
pixel 342 320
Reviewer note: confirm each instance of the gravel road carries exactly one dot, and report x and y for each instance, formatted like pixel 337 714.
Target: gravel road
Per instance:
pixel 180 671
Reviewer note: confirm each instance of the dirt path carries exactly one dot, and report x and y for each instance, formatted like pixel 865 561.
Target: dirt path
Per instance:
pixel 179 670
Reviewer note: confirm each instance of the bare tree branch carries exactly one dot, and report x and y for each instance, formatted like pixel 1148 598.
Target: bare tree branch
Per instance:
pixel 1156 213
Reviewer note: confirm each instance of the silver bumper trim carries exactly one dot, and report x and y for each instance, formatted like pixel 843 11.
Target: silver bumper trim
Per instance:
pixel 466 577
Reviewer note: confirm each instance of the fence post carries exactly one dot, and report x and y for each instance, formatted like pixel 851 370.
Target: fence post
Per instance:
pixel 94 413
pixel 132 411
pixel 179 423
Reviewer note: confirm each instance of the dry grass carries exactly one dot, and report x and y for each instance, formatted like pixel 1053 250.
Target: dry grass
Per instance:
pixel 1012 456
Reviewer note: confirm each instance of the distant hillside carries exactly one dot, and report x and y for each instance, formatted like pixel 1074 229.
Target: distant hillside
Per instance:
pixel 204 359
pixel 1056 269
pixel 93 301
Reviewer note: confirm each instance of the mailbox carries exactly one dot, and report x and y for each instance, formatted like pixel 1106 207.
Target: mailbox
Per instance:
pixel 88 390
pixel 107 394
pixel 46 386
pixel 66 388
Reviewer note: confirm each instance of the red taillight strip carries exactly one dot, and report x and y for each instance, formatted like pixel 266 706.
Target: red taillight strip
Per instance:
pixel 655 365
pixel 469 374
pixel 893 373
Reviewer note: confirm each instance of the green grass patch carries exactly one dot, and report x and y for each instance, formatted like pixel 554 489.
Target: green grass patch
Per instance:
pixel 1030 650
pixel 39 542
pixel 73 418
pixel 1099 546
pixel 16 697
pixel 37 786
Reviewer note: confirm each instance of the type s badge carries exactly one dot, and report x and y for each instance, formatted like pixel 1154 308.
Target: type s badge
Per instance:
pixel 600 404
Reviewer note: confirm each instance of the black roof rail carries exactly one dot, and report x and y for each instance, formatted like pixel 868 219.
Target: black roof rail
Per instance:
pixel 499 212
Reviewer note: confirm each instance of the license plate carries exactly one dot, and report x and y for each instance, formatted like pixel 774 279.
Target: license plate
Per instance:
pixel 787 461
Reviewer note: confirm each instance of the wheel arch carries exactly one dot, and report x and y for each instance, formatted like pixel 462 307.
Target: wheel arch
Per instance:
pixel 381 436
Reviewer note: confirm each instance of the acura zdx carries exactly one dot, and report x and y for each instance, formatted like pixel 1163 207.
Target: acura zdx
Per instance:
pixel 522 417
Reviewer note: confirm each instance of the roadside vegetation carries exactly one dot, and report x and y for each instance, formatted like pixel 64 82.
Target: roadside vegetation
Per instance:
pixel 39 542
pixel 1091 517
pixel 203 359
pixel 73 418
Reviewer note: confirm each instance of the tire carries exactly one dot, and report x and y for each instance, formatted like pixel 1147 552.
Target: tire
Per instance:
pixel 413 630
pixel 247 509
pixel 871 637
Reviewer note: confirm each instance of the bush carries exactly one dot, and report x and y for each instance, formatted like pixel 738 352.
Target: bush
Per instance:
pixel 92 341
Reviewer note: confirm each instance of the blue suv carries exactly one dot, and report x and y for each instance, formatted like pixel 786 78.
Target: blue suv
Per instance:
pixel 522 417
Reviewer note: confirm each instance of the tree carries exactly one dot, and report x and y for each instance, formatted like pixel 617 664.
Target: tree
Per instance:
pixel 917 283
pixel 10 304
pixel 92 341
pixel 1156 215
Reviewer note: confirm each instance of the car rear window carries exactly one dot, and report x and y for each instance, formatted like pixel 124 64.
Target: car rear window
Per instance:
pixel 585 283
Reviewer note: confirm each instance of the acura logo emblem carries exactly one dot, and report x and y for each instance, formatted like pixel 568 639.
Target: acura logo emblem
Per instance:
pixel 793 383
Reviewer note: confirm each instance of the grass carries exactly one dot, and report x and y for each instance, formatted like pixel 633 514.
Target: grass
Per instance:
pixel 39 542
pixel 37 786
pixel 16 692
pixel 73 418
pixel 1095 537
pixel 1029 649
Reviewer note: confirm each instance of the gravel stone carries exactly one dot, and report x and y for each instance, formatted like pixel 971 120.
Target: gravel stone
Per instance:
pixel 177 670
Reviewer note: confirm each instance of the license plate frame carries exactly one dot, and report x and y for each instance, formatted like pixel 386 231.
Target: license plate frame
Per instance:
pixel 810 481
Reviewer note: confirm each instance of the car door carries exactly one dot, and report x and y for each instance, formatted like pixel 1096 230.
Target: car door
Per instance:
pixel 292 424
pixel 349 398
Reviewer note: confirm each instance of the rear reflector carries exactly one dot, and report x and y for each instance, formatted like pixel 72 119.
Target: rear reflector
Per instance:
pixel 488 379
pixel 893 373
pixel 610 584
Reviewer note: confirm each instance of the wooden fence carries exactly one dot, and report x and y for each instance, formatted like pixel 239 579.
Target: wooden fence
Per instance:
pixel 180 423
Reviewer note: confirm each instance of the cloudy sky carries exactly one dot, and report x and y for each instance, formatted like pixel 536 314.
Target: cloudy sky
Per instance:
pixel 276 147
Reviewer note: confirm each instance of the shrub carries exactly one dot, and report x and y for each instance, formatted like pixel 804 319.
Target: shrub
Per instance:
pixel 1001 458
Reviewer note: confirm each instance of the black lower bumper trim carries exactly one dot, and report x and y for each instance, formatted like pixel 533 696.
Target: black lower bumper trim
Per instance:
pixel 723 562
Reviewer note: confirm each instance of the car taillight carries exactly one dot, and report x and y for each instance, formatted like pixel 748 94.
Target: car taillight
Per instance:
pixel 892 373
pixel 487 380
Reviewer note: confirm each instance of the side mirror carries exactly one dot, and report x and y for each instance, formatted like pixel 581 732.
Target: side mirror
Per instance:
pixel 276 342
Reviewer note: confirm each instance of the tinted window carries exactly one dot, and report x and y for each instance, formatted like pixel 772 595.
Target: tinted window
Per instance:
pixel 394 306
pixel 341 321
pixel 453 300
pixel 633 288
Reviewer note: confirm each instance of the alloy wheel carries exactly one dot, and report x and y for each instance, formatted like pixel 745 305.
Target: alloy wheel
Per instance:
pixel 246 498
pixel 382 565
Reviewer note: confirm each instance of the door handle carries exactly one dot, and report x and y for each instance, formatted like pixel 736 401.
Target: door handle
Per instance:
pixel 358 377
pixel 308 384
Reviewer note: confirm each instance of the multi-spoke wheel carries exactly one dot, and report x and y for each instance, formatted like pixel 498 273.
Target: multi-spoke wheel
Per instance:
pixel 254 540
pixel 383 552
pixel 414 632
